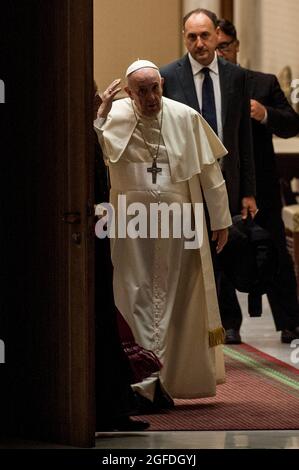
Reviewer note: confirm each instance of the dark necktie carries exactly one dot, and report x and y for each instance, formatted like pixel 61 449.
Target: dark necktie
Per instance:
pixel 208 109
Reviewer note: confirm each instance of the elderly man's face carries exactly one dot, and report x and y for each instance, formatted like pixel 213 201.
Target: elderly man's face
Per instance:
pixel 145 89
pixel 201 38
pixel 228 47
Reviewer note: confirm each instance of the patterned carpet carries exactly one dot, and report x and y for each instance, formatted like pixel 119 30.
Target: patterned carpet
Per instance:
pixel 260 393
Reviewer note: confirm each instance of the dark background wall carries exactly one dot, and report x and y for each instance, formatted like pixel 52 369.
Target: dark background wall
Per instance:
pixel 19 71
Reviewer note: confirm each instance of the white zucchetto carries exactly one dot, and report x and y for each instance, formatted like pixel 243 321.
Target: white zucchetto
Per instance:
pixel 140 64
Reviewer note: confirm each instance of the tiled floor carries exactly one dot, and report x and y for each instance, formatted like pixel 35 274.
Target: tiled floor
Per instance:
pixel 202 440
pixel 258 332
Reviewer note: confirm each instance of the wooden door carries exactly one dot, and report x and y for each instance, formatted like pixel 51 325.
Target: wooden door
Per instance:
pixel 47 319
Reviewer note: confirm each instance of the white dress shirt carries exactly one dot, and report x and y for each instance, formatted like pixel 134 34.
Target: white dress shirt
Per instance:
pixel 198 81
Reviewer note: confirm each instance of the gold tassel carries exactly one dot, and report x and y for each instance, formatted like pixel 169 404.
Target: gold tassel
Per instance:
pixel 216 337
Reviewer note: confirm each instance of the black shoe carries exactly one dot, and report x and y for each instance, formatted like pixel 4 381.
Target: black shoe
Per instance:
pixel 129 424
pixel 232 336
pixel 162 402
pixel 124 424
pixel 145 406
pixel 161 399
pixel 287 336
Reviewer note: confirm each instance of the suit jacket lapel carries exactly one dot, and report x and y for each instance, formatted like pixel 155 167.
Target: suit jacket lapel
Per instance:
pixel 185 76
pixel 225 86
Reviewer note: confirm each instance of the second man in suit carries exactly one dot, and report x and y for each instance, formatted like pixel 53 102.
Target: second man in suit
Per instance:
pixel 271 114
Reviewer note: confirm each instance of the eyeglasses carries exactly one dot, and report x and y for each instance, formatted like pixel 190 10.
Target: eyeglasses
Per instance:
pixel 225 45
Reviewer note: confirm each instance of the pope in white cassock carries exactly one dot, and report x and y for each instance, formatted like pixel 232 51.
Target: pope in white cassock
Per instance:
pixel 161 151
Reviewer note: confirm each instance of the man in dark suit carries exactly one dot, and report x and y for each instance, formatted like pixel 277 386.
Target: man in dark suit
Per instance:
pixel 271 114
pixel 230 116
pixel 218 90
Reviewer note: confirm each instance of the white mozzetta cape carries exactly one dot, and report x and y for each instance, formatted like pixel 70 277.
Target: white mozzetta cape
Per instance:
pixel 187 156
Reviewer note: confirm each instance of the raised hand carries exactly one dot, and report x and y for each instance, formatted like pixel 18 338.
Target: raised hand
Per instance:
pixel 107 98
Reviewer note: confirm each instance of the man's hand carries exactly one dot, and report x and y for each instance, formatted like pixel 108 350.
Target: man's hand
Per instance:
pixel 249 207
pixel 257 110
pixel 221 237
pixel 107 98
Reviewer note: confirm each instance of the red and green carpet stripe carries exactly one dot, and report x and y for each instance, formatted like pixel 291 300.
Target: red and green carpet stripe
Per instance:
pixel 260 393
pixel 260 365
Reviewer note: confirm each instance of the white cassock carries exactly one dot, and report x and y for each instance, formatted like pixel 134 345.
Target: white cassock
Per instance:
pixel 166 292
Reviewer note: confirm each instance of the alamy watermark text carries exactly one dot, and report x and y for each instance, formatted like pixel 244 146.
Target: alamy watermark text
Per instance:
pixel 154 220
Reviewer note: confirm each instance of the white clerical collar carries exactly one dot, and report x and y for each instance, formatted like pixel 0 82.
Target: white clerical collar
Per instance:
pixel 196 66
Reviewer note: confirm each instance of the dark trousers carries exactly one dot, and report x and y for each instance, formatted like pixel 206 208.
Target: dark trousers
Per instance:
pixel 282 294
pixel 114 396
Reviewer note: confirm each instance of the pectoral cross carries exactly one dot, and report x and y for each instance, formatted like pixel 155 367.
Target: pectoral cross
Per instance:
pixel 154 170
